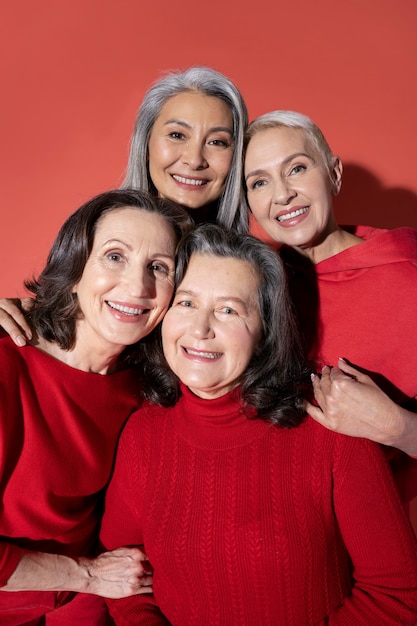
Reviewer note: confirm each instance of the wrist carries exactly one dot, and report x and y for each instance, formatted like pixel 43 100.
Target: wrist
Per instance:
pixel 404 436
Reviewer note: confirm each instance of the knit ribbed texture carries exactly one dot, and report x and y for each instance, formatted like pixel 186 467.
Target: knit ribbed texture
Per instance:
pixel 243 522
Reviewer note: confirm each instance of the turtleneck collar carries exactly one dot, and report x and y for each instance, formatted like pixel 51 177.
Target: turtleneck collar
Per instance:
pixel 218 424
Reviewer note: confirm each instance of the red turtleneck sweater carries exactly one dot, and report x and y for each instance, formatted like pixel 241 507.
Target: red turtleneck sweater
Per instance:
pixel 248 523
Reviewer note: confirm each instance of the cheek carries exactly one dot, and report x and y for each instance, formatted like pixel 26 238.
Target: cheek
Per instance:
pixel 164 295
pixel 222 164
pixel 158 156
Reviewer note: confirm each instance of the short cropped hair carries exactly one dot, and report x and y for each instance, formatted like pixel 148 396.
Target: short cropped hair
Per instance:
pixel 208 82
pixel 275 380
pixel 293 119
pixel 56 308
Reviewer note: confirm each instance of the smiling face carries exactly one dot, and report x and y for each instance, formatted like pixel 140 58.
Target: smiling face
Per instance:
pixel 191 149
pixel 211 331
pixel 289 189
pixel 127 282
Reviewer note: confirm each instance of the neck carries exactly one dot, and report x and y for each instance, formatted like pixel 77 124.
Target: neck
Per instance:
pixel 206 213
pixel 332 243
pixel 84 359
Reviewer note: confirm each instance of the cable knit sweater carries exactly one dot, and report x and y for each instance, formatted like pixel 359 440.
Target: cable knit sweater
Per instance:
pixel 248 523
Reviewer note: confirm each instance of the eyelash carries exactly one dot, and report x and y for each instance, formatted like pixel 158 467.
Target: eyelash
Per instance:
pixel 298 167
pixel 159 267
pixel 114 257
pixel 261 182
pixel 213 142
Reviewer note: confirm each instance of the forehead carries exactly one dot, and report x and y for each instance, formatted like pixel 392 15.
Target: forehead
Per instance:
pixel 282 138
pixel 136 224
pixel 195 105
pixel 222 275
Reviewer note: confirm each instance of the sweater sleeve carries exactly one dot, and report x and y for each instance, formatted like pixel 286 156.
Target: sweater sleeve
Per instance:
pixel 10 556
pixel 136 610
pixel 122 500
pixel 379 539
pixel 123 503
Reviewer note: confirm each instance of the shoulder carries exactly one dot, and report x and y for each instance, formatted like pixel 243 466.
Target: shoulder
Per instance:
pixel 148 418
pixel 12 358
pixel 339 447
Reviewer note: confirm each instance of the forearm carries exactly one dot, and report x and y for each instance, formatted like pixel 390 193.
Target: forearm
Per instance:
pixel 115 574
pixel 39 571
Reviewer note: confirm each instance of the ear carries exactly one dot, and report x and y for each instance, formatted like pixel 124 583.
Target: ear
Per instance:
pixel 337 172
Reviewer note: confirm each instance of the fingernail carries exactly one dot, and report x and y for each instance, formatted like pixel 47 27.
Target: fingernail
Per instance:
pixel 312 376
pixel 20 340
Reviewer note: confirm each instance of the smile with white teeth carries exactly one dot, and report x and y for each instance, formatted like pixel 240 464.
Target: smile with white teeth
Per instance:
pixel 289 216
pixel 204 355
pixel 189 181
pixel 127 310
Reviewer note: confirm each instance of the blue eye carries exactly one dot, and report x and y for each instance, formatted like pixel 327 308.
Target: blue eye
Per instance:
pixel 258 183
pixel 297 169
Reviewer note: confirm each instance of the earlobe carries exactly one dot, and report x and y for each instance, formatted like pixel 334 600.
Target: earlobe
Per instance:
pixel 337 176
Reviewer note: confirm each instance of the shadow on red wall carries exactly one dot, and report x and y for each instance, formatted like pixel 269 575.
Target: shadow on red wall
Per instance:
pixel 364 200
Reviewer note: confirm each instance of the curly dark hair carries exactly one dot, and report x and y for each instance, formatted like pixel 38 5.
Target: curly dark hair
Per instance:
pixel 56 308
pixel 277 378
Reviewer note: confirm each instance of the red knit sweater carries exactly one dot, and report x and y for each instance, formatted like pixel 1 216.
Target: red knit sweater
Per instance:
pixel 251 524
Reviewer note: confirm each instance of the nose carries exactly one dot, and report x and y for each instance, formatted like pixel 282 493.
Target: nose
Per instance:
pixel 139 281
pixel 283 192
pixel 201 325
pixel 193 155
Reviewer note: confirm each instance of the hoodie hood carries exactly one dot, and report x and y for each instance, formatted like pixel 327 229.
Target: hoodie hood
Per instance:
pixel 380 247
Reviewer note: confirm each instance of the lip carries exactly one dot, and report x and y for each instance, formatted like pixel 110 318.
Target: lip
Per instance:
pixel 197 354
pixel 190 182
pixel 126 311
pixel 293 216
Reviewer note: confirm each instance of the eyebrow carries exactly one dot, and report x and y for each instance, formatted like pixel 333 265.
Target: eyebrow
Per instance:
pixel 187 292
pixel 215 129
pixel 284 163
pixel 129 247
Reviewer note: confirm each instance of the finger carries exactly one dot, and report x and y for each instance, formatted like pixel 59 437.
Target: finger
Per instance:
pixel 145 590
pixel 145 581
pixel 348 369
pixel 18 329
pixel 315 412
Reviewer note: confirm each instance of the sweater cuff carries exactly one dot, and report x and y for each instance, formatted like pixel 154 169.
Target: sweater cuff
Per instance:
pixel 10 556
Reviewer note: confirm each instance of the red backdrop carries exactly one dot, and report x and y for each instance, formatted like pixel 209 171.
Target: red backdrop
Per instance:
pixel 74 71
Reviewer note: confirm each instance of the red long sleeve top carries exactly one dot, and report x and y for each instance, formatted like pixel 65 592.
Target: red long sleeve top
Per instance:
pixel 361 304
pixel 58 433
pixel 252 524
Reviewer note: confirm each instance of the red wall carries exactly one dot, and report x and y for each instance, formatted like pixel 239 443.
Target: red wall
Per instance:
pixel 73 73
